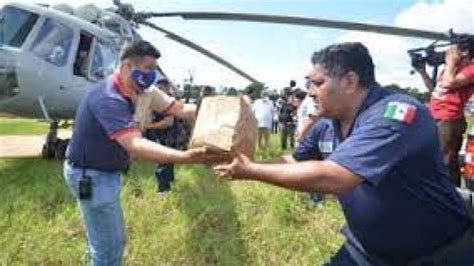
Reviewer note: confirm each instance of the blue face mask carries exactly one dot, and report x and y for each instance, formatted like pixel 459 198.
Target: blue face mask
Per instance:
pixel 145 79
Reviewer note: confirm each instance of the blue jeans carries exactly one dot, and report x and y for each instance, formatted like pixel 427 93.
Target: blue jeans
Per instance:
pixel 102 214
pixel 342 258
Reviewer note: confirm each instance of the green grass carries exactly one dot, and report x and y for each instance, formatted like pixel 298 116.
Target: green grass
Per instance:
pixel 470 122
pixel 22 126
pixel 202 221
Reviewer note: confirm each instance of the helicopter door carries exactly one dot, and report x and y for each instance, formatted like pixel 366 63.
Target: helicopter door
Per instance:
pixel 95 59
pixel 81 83
pixel 81 62
pixel 104 59
pixel 44 67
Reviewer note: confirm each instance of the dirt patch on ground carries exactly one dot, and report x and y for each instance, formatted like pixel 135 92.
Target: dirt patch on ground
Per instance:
pixel 6 115
pixel 25 146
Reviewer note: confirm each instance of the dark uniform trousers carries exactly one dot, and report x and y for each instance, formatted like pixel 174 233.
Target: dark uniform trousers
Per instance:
pixel 287 131
pixel 459 252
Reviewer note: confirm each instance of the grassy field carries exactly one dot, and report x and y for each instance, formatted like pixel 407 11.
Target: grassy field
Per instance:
pixel 203 221
pixel 21 126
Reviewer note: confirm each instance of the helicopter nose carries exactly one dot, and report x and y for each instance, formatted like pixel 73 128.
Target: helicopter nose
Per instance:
pixel 8 78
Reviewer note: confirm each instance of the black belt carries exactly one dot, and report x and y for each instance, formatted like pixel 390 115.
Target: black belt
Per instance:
pixel 435 258
pixel 78 165
pixel 448 250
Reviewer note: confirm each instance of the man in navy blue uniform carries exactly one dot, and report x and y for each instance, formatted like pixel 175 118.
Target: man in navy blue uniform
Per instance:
pixel 379 153
pixel 106 136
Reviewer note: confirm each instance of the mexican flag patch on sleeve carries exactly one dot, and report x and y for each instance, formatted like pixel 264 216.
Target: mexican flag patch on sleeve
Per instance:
pixel 402 112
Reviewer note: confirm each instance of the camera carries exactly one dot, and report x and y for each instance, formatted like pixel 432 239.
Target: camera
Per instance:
pixel 428 56
pixel 431 56
pixel 85 188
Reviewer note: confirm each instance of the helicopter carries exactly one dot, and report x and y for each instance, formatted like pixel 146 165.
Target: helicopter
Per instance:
pixel 51 55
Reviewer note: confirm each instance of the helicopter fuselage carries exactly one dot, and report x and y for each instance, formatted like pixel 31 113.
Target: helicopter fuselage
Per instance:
pixel 49 59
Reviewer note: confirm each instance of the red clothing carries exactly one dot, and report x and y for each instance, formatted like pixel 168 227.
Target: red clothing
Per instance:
pixel 448 103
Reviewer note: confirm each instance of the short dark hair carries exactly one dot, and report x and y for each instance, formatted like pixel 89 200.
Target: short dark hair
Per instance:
pixel 339 59
pixel 299 94
pixel 139 48
pixel 467 47
pixel 292 83
pixel 163 82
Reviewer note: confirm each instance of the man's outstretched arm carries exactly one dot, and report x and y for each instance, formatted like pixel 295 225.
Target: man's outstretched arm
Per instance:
pixel 310 176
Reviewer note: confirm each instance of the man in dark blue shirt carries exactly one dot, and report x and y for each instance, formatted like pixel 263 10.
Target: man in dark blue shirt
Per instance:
pixel 378 152
pixel 106 136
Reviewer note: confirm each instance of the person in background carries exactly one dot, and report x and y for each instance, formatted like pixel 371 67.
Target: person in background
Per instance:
pixel 159 131
pixel 308 113
pixel 298 99
pixel 287 121
pixel 452 90
pixel 276 117
pixel 275 120
pixel 264 111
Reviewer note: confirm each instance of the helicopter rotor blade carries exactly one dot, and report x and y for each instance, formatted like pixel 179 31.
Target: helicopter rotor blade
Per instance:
pixel 199 49
pixel 304 21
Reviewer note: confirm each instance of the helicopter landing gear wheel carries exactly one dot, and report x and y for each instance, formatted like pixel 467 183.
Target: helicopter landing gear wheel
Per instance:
pixel 55 150
pixel 54 147
pixel 47 151
pixel 60 149
pixel 51 140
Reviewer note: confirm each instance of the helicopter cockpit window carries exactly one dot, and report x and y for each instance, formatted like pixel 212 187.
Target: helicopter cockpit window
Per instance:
pixel 53 42
pixel 104 60
pixel 81 63
pixel 15 25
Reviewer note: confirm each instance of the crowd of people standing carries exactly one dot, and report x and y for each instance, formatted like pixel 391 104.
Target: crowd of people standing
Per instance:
pixel 290 114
